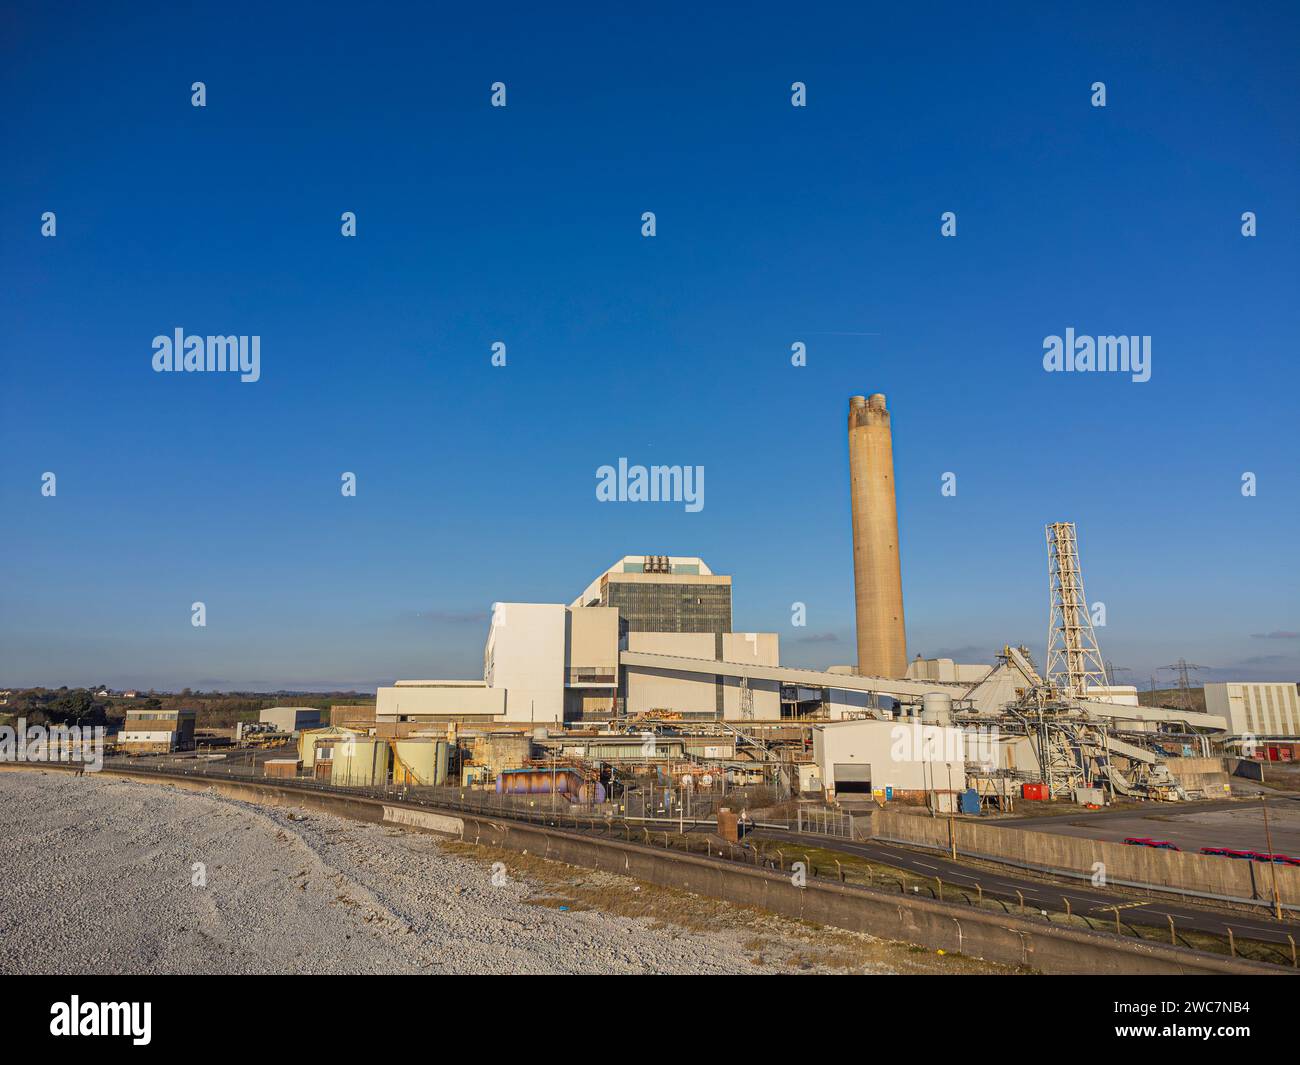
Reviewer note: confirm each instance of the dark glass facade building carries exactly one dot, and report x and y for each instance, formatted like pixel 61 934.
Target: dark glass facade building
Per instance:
pixel 647 605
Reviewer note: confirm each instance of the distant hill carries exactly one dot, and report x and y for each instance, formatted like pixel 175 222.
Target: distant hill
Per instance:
pixel 1172 699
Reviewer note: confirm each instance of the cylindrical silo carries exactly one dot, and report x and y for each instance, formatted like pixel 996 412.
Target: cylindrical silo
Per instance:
pixel 936 708
pixel 877 572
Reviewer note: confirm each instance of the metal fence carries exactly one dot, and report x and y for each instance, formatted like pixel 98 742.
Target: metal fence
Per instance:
pixel 826 823
pixel 544 809
pixel 641 798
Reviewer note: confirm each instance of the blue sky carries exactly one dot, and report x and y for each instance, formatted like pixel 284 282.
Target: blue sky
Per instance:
pixel 523 224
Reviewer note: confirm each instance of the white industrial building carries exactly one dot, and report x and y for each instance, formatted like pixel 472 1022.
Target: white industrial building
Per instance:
pixel 653 634
pixel 543 663
pixel 944 669
pixel 889 756
pixel 290 718
pixel 650 633
pixel 1261 709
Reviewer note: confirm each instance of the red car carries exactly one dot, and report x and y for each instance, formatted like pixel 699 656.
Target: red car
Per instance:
pixel 1159 844
pixel 1251 856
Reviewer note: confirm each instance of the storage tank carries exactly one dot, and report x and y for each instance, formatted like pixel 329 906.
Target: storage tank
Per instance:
pixel 936 708
pixel 360 761
pixel 420 761
pixel 311 739
pixel 567 782
pixel 415 761
pixel 537 781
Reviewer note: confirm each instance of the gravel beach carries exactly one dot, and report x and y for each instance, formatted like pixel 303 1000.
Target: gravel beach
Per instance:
pixel 105 876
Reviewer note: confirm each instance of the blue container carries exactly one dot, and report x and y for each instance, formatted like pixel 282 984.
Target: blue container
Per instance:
pixel 889 792
pixel 970 801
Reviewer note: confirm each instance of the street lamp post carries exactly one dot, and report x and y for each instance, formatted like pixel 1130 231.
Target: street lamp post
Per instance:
pixel 1272 865
pixel 952 828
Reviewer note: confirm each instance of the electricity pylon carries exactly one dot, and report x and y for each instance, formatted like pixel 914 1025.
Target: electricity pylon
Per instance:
pixel 1184 682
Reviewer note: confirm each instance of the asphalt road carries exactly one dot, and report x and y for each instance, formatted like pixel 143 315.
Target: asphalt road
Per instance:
pixel 1040 895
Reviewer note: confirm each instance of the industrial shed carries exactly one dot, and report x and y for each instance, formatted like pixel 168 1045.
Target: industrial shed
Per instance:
pixel 902 756
pixel 291 718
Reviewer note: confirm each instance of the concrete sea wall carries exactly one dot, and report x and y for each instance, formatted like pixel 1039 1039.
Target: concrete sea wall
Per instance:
pixel 1223 878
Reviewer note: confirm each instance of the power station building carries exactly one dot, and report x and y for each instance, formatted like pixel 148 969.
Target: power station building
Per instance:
pixel 547 663
pixel 651 633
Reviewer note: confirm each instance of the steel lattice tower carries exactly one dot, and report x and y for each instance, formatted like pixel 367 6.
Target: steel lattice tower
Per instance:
pixel 1074 661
